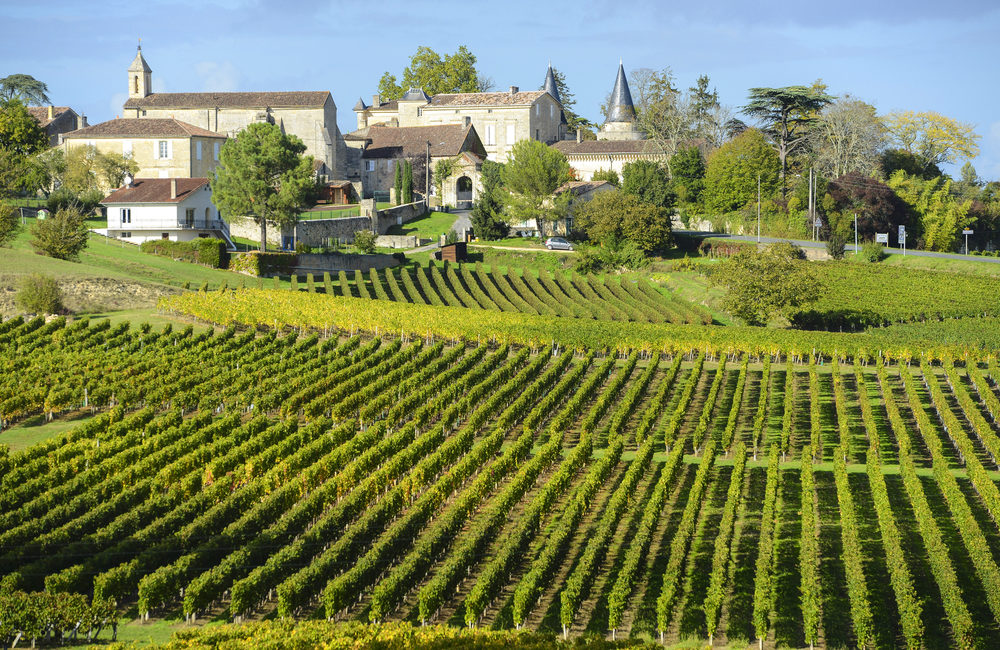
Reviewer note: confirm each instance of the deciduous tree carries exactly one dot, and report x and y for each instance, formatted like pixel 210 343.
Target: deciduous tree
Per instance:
pixel 648 181
pixel 113 167
pixel 452 73
pixel 62 236
pixel 876 204
pixel 688 174
pixel 531 175
pixel 764 284
pixel 20 138
pixel 608 175
pixel 932 138
pixel 262 174
pixel 848 137
pixel 786 115
pixel 487 213
pixel 10 224
pixel 733 169
pixel 617 215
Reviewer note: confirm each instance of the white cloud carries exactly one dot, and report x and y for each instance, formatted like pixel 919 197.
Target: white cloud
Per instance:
pixel 222 77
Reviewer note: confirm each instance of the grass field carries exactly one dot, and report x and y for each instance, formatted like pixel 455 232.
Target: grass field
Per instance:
pixel 430 226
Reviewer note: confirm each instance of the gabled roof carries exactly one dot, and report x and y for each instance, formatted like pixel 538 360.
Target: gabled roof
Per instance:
pixel 41 113
pixel 620 108
pixel 406 141
pixel 576 188
pixel 520 98
pixel 598 147
pixel 155 190
pixel 143 127
pixel 360 106
pixel 307 99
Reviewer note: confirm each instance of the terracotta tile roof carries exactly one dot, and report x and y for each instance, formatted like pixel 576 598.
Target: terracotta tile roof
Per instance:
pixel 41 113
pixel 143 127
pixel 598 147
pixel 308 99
pixel 155 190
pixel 406 141
pixel 522 98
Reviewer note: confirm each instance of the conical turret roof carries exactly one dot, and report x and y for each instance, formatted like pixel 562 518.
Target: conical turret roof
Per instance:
pixel 620 108
pixel 550 85
pixel 139 63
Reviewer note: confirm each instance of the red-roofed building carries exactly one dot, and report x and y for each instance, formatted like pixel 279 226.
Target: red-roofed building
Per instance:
pixel 178 209
pixel 57 120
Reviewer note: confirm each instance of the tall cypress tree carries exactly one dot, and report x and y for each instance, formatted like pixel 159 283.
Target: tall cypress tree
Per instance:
pixel 408 183
pixel 398 182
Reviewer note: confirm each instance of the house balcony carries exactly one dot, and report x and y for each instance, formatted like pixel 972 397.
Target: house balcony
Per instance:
pixel 171 224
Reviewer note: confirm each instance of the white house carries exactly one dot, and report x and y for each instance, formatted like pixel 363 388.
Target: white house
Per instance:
pixel 178 209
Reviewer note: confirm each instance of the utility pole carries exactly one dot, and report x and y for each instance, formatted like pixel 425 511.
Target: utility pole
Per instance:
pixel 427 178
pixel 855 233
pixel 812 217
pixel 758 211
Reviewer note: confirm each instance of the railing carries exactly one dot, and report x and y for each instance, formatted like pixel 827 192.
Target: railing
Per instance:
pixel 172 224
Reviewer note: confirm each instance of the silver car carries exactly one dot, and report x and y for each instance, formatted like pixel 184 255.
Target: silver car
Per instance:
pixel 558 243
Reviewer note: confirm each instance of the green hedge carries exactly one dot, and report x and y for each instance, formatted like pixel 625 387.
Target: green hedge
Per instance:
pixel 257 264
pixel 206 250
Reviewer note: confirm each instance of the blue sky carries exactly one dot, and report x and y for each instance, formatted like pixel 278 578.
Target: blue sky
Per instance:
pixel 916 55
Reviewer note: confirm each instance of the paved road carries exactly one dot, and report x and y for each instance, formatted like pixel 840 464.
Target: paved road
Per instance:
pixel 806 243
pixel 520 248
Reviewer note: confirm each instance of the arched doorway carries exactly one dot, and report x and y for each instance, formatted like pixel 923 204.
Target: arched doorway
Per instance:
pixel 463 193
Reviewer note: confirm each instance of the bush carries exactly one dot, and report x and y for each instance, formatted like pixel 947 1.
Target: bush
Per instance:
pixel 364 241
pixel 10 224
pixel 835 246
pixel 303 248
pixel 39 294
pixel 257 264
pixel 787 250
pixel 61 236
pixel 63 198
pixel 873 251
pixel 205 250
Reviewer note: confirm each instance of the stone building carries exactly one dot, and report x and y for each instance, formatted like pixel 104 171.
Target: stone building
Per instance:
pixel 619 140
pixel 500 118
pixel 383 148
pixel 312 116
pixel 57 120
pixel 162 147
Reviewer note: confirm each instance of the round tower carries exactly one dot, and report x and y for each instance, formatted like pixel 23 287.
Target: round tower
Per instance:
pixel 621 123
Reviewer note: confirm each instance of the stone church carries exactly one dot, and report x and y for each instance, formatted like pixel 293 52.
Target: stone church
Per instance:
pixel 311 115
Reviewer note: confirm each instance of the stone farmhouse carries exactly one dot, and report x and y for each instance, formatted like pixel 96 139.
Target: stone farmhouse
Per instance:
pixel 57 120
pixel 162 147
pixel 386 147
pixel 500 118
pixel 178 209
pixel 312 116
pixel 619 140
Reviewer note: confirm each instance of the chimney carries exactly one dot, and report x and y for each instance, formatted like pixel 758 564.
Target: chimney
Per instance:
pixel 513 89
pixel 81 121
pixel 173 188
pixel 52 112
pixel 376 100
pixel 579 135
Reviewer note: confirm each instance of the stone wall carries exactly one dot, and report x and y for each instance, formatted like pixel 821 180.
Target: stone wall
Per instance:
pixel 312 263
pixel 398 215
pixel 247 228
pixel 318 232
pixel 398 241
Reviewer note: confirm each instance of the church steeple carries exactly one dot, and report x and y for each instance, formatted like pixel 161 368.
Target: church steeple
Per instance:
pixel 139 76
pixel 550 85
pixel 620 108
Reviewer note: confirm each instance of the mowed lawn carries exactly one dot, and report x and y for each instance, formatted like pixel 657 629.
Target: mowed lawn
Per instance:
pixel 430 226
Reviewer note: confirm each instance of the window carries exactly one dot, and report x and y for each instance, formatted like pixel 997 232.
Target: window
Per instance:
pixel 216 151
pixel 510 134
pixel 552 110
pixel 163 149
pixel 388 164
pixel 126 215
pixel 197 150
pixel 124 235
pixel 164 235
pixel 538 110
pixel 369 165
pixel 127 148
pixel 491 134
pixel 135 85
pixel 537 136
pixel 189 216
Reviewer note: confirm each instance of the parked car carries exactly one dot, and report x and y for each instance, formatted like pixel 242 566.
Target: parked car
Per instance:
pixel 558 243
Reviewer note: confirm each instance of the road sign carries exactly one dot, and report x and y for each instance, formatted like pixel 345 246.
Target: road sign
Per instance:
pixel 882 238
pixel 966 232
pixel 902 233
pixel 819 222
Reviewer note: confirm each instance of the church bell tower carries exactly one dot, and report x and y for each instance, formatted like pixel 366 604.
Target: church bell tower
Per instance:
pixel 139 77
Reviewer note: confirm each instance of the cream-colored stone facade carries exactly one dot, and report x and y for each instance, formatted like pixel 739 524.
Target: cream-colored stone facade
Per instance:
pixel 311 116
pixel 177 151
pixel 500 118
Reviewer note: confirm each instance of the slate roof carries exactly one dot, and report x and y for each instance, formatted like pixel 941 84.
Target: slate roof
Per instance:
pixel 521 98
pixel 598 147
pixel 550 85
pixel 155 190
pixel 415 94
pixel 143 128
pixel 41 113
pixel 405 141
pixel 620 108
pixel 306 99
